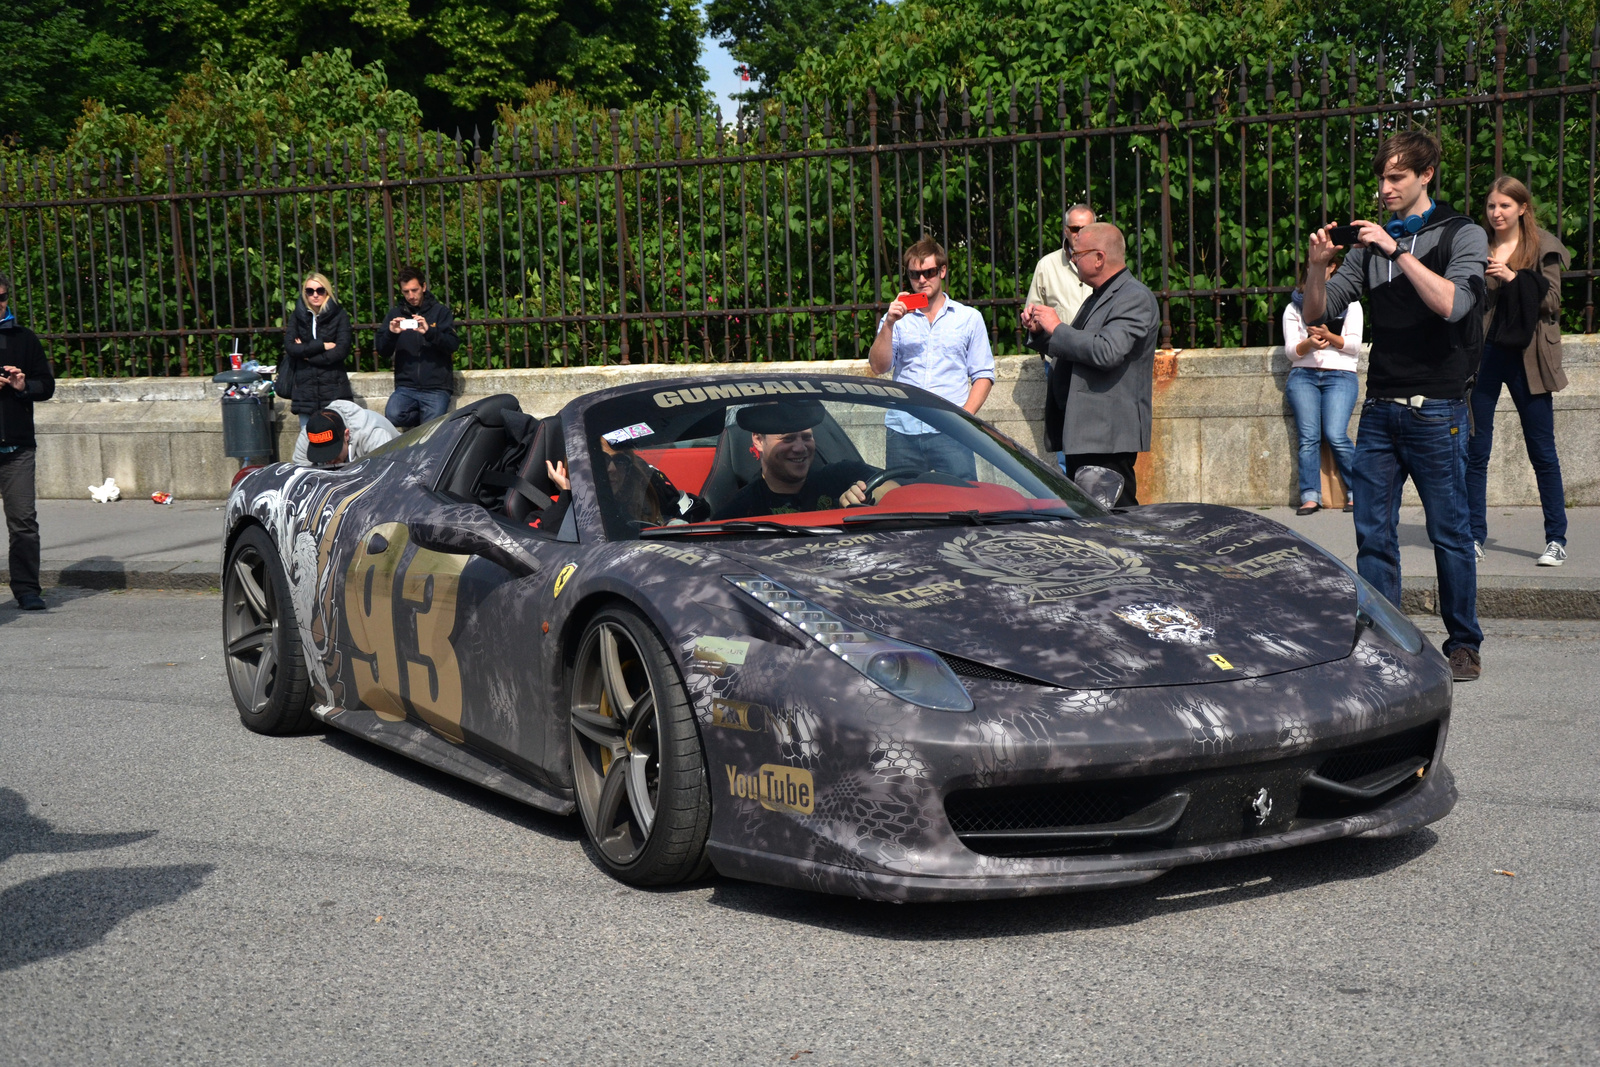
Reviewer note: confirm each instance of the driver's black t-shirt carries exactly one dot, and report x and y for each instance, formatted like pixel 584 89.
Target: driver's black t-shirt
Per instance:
pixel 820 493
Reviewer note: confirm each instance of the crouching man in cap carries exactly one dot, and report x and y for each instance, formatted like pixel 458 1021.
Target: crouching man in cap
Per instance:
pixel 342 432
pixel 781 434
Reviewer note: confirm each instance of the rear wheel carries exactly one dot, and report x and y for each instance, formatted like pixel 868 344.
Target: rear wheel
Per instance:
pixel 261 639
pixel 637 765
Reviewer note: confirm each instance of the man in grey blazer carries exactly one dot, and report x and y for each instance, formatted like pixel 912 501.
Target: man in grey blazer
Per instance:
pixel 1103 364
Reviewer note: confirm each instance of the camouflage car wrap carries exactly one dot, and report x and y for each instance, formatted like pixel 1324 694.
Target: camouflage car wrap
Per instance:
pixel 1113 661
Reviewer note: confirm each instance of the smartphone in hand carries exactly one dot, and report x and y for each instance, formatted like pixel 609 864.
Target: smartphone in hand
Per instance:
pixel 914 301
pixel 1344 236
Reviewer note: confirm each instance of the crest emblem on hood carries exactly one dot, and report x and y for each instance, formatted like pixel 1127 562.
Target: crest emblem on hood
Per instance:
pixel 1049 566
pixel 1166 622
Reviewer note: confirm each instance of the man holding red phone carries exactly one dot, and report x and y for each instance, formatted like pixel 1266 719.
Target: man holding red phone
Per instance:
pixel 934 342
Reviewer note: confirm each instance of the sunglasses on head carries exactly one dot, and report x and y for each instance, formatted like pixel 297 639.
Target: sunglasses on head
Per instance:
pixel 316 290
pixel 918 275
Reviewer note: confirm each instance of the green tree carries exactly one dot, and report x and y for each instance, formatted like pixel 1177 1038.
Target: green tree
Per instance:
pixel 58 55
pixel 457 59
pixel 769 36
pixel 270 105
pixel 463 57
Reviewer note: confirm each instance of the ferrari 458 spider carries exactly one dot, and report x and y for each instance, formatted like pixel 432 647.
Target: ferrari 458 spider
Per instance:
pixel 831 633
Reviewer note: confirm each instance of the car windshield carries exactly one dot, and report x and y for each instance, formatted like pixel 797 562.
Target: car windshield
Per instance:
pixel 797 455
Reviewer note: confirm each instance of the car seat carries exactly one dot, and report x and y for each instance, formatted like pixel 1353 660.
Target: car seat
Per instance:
pixel 528 488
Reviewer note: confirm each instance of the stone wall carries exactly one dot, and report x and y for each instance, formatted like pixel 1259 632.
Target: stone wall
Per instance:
pixel 1222 433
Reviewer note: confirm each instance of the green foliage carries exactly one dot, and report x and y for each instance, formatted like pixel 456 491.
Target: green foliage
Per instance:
pixel 270 106
pixel 56 56
pixel 770 36
pixel 457 60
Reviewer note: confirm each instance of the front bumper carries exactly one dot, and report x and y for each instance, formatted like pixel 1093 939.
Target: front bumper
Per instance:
pixel 996 878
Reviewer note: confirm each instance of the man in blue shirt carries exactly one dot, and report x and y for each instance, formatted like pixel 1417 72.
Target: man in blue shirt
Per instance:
pixel 943 348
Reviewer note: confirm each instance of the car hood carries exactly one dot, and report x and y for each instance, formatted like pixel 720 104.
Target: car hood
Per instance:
pixel 1166 595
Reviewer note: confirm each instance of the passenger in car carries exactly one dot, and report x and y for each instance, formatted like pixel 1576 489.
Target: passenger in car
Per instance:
pixel 783 438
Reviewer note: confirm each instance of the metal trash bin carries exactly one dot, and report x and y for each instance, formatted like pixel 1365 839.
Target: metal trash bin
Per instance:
pixel 246 417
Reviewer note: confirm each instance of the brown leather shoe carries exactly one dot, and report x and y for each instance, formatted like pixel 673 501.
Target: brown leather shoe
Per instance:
pixel 1465 664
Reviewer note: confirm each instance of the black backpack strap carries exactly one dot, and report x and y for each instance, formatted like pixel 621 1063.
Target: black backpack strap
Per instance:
pixel 521 486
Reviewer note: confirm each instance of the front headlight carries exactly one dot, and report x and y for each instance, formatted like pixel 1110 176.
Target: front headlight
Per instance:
pixel 913 674
pixel 1374 610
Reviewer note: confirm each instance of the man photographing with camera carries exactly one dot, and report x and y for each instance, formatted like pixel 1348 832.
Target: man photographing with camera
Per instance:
pixel 1420 276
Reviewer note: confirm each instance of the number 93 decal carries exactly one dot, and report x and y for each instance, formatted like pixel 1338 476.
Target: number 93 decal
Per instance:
pixel 400 608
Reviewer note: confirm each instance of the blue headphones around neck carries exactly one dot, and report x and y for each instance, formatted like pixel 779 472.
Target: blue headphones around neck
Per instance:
pixel 1398 228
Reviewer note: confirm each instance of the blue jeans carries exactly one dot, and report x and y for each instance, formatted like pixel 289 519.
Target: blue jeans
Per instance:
pixel 1536 413
pixel 928 452
pixel 1429 446
pixel 409 408
pixel 1322 401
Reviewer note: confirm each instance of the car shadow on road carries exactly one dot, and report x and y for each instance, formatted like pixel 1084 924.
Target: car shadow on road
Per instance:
pixel 1181 890
pixel 560 827
pixel 59 913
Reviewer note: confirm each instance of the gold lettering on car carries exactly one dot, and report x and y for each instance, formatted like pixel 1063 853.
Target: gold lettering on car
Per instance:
pixel 389 596
pixel 433 678
pixel 735 715
pixel 775 787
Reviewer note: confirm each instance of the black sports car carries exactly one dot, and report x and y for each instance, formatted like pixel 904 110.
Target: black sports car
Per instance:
pixel 831 633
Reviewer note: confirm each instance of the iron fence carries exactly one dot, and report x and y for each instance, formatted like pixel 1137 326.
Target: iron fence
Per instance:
pixel 670 237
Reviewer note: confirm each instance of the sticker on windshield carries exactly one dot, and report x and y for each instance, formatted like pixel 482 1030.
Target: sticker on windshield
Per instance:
pixel 628 433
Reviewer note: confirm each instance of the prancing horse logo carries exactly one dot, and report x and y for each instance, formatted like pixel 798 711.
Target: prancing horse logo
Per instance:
pixel 1263 806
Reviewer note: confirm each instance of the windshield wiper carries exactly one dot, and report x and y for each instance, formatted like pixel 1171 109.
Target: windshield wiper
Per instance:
pixel 739 527
pixel 953 518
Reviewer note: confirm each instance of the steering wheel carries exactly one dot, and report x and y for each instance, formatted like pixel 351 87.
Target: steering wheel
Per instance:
pixel 877 481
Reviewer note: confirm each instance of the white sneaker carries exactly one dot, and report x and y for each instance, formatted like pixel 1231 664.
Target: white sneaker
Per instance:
pixel 1477 551
pixel 1555 554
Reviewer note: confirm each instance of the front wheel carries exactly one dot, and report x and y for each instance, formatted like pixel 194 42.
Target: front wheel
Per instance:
pixel 637 766
pixel 261 639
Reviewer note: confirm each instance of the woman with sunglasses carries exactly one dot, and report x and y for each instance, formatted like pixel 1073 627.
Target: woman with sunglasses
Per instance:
pixel 316 340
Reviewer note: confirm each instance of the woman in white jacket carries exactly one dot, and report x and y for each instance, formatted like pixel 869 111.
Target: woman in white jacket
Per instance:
pixel 1322 391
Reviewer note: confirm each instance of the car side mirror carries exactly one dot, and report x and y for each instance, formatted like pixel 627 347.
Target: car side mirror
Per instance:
pixel 475 535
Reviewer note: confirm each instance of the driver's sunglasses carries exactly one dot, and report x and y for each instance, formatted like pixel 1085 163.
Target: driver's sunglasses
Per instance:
pixel 919 275
pixel 316 290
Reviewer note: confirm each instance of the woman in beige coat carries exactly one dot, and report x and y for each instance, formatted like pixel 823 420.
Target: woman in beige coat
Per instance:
pixel 1522 352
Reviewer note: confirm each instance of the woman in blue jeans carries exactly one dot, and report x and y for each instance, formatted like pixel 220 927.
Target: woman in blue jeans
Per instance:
pixel 1522 352
pixel 1322 391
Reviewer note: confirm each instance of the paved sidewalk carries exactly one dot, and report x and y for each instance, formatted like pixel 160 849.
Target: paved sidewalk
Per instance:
pixel 134 544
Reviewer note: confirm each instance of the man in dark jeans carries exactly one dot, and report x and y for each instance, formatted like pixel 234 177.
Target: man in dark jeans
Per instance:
pixel 25 377
pixel 420 336
pixel 1421 278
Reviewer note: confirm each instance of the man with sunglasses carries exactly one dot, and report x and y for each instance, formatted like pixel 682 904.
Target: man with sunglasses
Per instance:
pixel 1102 365
pixel 943 348
pixel 1056 285
pixel 1055 277
pixel 25 378
pixel 420 337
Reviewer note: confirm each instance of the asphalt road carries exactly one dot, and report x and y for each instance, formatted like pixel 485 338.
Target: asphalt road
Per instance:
pixel 174 889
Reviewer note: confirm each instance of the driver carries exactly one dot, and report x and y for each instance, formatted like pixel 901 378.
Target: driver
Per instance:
pixel 781 434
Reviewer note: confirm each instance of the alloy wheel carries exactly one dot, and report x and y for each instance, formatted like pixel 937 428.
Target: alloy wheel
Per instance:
pixel 250 630
pixel 615 742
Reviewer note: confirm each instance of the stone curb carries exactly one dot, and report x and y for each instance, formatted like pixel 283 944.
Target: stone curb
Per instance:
pixel 1499 596
pixel 104 573
pixel 1506 597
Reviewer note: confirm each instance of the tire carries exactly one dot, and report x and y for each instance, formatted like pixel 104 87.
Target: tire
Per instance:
pixel 638 770
pixel 261 639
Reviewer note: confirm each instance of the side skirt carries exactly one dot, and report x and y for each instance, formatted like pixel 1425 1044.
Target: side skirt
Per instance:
pixel 426 747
